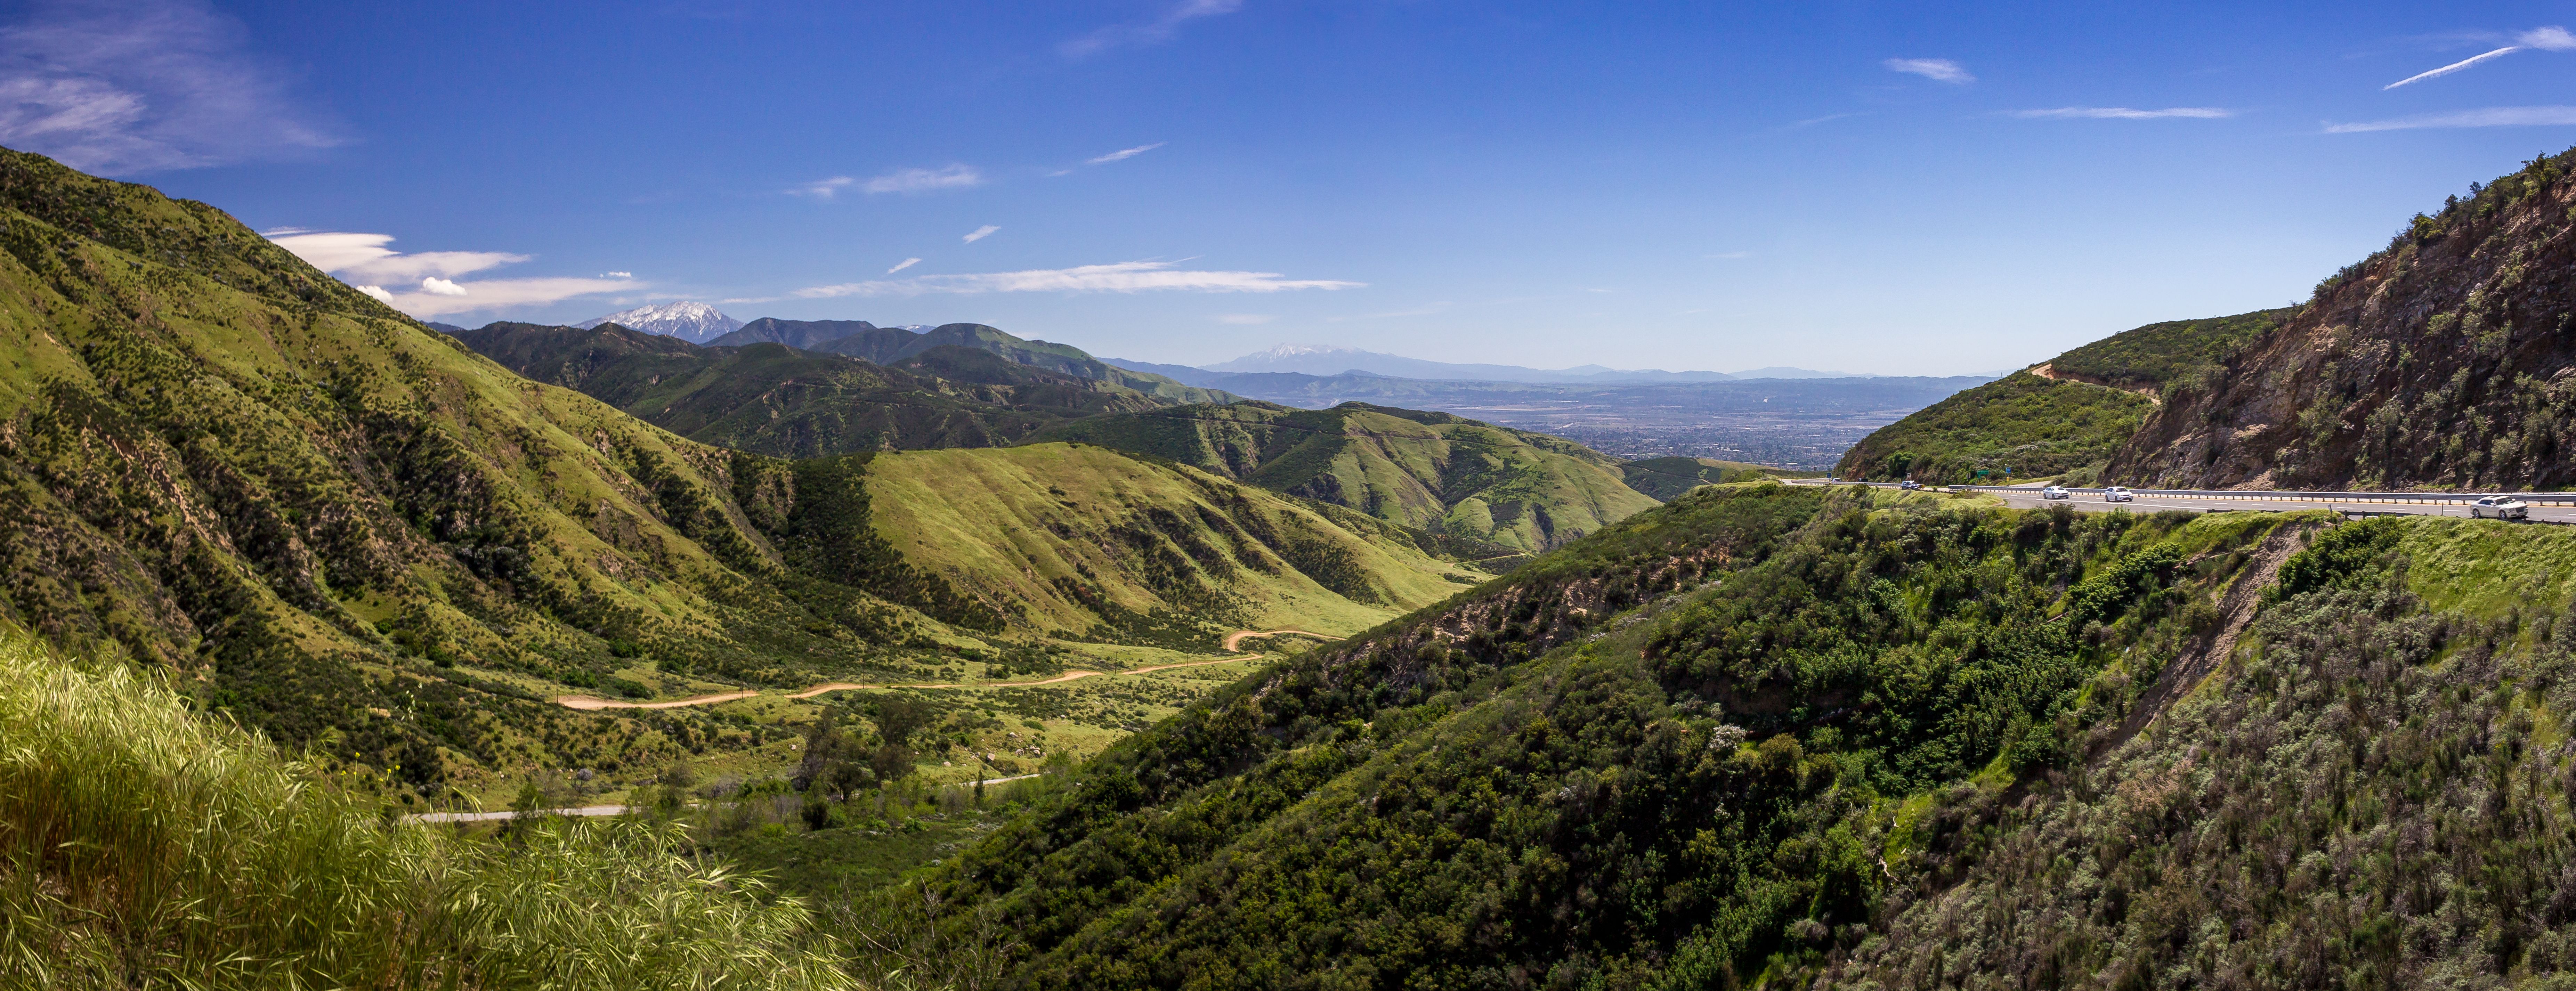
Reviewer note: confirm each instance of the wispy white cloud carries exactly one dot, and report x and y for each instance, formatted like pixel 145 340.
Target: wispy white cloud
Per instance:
pixel 364 257
pixel 2484 117
pixel 2126 113
pixel 1119 277
pixel 1124 154
pixel 2552 38
pixel 1246 319
pixel 617 275
pixel 924 180
pixel 904 264
pixel 1936 69
pixel 494 294
pixel 1813 121
pixel 125 86
pixel 897 181
pixel 980 233
pixel 1156 31
pixel 824 189
pixel 2548 39
pixel 363 261
pixel 2455 66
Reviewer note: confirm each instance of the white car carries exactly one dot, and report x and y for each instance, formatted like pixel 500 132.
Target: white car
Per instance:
pixel 2118 493
pixel 2055 492
pixel 1909 485
pixel 2500 507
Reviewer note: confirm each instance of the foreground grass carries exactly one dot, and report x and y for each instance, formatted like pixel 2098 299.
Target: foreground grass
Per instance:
pixel 142 845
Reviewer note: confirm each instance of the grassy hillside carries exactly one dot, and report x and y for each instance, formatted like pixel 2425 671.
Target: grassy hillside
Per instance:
pixel 892 345
pixel 2064 416
pixel 146 845
pixel 1665 479
pixel 2022 424
pixel 358 537
pixel 1670 754
pixel 1435 471
pixel 2441 361
pixel 1084 542
pixel 772 399
pixel 344 529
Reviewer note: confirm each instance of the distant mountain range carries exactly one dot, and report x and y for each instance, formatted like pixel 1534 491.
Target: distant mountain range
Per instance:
pixel 1328 359
pixel 697 323
pixel 700 323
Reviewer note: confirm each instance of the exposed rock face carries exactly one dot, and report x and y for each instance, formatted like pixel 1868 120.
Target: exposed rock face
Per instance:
pixel 2443 361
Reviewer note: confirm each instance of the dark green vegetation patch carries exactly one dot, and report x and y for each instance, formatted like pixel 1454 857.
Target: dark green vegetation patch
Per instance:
pixel 1670 752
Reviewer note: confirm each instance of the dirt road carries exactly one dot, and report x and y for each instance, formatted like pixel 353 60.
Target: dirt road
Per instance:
pixel 588 703
pixel 1234 640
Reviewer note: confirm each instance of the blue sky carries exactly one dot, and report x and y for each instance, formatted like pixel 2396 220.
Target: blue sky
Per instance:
pixel 1898 189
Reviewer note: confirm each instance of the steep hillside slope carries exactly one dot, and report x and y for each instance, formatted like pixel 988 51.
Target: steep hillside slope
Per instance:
pixel 2443 360
pixel 1671 754
pixel 344 529
pixel 2066 415
pixel 890 345
pixel 2375 794
pixel 1085 542
pixel 1431 470
pixel 772 399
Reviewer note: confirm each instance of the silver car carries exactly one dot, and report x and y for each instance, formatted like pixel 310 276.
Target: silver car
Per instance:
pixel 2055 492
pixel 2118 493
pixel 2500 507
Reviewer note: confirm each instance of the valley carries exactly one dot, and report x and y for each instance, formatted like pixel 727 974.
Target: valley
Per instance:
pixel 940 657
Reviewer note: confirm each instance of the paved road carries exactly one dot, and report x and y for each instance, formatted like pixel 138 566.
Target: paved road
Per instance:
pixel 2028 498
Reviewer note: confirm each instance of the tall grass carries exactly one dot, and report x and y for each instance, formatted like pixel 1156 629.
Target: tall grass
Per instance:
pixel 142 845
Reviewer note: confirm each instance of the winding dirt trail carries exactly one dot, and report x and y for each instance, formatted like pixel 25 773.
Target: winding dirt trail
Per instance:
pixel 588 703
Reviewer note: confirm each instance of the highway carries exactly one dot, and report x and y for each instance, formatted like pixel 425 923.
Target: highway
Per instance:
pixel 2561 508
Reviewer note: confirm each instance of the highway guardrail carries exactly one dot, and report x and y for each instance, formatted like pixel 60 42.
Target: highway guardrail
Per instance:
pixel 2392 498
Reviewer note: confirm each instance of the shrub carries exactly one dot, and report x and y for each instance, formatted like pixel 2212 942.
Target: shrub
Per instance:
pixel 145 846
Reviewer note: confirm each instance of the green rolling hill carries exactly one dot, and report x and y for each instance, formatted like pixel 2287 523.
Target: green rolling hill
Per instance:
pixel 2064 417
pixel 1084 542
pixel 1434 471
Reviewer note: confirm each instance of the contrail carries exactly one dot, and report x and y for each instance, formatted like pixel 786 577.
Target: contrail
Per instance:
pixel 2454 67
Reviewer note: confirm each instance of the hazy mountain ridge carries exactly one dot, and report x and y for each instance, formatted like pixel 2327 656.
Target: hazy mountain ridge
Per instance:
pixel 889 345
pixel 1329 360
pixel 773 399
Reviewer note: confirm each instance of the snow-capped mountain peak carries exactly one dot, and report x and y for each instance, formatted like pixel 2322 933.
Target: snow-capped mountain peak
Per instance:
pixel 686 320
pixel 1294 350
